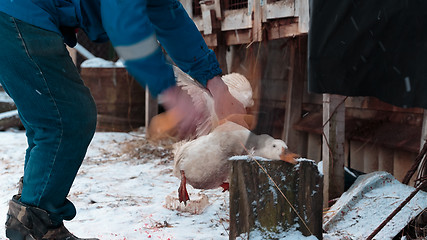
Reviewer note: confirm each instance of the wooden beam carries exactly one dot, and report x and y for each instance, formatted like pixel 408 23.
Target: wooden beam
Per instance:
pixel 333 146
pixel 257 21
pixel 282 29
pixel 281 9
pixel 211 40
pixel 238 37
pixel 303 12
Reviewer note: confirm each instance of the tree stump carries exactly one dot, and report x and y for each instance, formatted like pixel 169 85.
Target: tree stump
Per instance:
pixel 257 207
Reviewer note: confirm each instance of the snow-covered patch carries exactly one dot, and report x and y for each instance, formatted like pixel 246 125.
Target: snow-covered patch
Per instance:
pixel 101 63
pixel 5 98
pixel 120 191
pixel 290 234
pixel 252 157
pixel 9 114
pixel 371 199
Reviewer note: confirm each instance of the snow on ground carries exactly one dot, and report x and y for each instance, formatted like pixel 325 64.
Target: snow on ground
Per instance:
pixel 120 192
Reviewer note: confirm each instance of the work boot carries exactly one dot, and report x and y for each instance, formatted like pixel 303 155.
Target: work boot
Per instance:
pixel 31 223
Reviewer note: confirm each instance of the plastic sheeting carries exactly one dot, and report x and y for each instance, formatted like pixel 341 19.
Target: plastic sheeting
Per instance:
pixel 369 48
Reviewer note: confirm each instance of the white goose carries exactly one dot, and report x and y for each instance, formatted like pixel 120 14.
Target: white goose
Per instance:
pixel 203 162
pixel 238 86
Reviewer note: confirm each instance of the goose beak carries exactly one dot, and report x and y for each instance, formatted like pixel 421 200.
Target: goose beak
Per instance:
pixel 288 156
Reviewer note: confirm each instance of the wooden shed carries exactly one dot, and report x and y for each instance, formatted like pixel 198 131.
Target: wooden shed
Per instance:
pixel 267 42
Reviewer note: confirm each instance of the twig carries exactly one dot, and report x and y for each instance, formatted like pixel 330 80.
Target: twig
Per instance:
pixel 397 210
pixel 219 218
pixel 335 111
pixel 417 162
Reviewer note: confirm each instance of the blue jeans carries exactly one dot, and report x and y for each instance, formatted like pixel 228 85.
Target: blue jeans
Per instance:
pixel 55 107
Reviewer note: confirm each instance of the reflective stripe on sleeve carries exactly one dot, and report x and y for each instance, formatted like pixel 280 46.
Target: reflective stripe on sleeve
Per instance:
pixel 138 50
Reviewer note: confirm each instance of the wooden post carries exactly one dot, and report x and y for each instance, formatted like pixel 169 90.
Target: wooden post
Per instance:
pixel 302 11
pixel 151 107
pixel 333 146
pixel 257 21
pixel 257 205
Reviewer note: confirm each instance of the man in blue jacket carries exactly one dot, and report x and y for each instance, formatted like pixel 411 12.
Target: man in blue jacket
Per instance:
pixel 56 108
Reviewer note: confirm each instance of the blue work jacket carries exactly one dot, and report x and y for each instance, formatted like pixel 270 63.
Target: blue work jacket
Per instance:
pixel 134 27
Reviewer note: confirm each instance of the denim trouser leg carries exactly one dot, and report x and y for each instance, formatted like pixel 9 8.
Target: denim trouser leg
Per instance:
pixel 57 110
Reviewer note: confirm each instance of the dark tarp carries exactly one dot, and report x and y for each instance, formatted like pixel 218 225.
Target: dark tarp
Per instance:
pixel 369 48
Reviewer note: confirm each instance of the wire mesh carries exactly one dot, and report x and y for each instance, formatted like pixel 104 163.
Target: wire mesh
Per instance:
pixel 235 4
pixel 197 10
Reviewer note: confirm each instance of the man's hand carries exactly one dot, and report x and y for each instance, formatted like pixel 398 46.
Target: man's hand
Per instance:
pixel 225 103
pixel 182 117
pixel 180 114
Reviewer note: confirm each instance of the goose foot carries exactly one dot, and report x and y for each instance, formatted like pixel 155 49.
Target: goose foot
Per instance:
pixel 225 186
pixel 182 190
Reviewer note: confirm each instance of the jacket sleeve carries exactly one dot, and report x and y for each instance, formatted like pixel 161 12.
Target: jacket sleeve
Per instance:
pixel 133 36
pixel 182 40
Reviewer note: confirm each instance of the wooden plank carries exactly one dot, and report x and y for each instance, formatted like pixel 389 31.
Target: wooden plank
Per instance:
pixel 256 204
pixel 356 155
pixel 236 19
pixel 280 9
pixel 370 159
pixel 207 18
pixel 314 147
pixel 303 12
pixel 294 94
pixel 385 160
pixel 333 146
pixel 402 163
pixel 282 29
pixel 211 40
pixel 257 21
pixel 238 37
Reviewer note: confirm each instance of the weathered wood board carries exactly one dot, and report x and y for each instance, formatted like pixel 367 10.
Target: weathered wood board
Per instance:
pixel 257 206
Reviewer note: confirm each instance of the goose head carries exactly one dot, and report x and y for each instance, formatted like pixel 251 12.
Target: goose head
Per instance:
pixel 276 149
